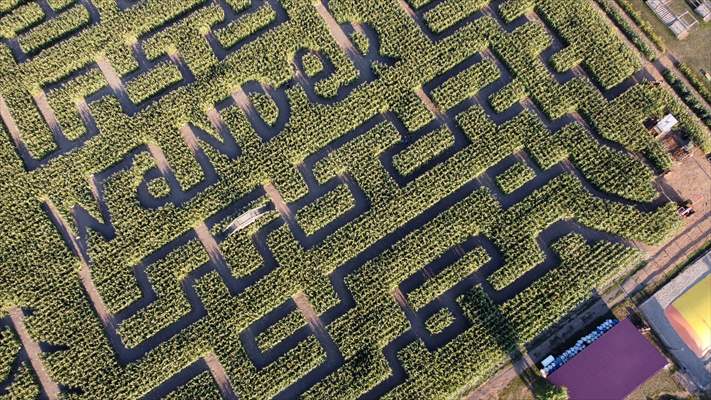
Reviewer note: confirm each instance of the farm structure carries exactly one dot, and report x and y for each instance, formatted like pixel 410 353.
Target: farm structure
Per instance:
pixel 679 24
pixel 679 313
pixel 294 199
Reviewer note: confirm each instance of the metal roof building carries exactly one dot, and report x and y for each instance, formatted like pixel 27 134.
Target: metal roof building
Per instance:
pixel 678 314
pixel 612 367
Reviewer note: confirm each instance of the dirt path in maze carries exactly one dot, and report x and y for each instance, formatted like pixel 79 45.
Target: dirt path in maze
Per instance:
pixel 429 104
pixel 278 202
pixel 334 28
pixel 215 118
pixel 220 376
pixel 208 242
pixel 40 99
pixel 407 9
pixel 400 297
pixel 307 310
pixel 93 293
pixel 189 138
pixel 32 348
pixel 84 111
pixel 159 157
pixel 112 77
pixel 84 272
pixel 241 99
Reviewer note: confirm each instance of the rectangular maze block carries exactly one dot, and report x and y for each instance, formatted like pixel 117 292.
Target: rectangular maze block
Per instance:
pixel 293 199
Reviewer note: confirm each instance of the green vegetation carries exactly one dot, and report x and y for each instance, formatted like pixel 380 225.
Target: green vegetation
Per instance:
pixel 550 392
pixel 508 96
pixel 647 28
pixel 375 180
pixel 423 151
pixel 515 177
pixel 24 385
pixel 439 321
pixel 202 386
pixel 689 98
pixel 48 33
pixel 9 347
pixel 448 13
pixel 661 385
pixel 697 81
pixel 280 331
pixel 325 209
pixel 312 64
pixel 151 83
pixel 465 84
pixel 20 19
pixel 443 281
pixel 159 187
pixel 361 42
pixel 631 34
pixel 266 107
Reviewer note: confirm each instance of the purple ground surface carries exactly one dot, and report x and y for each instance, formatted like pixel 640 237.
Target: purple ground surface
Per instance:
pixel 612 367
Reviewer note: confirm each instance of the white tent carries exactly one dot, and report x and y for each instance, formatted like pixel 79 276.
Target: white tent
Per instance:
pixel 666 124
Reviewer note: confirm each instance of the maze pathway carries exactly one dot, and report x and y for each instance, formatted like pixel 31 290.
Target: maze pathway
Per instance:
pixel 438 183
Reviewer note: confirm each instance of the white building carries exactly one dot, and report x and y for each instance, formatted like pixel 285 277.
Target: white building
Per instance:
pixel 702 8
pixel 666 124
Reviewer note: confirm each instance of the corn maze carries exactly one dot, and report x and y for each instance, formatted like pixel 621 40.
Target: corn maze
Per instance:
pixel 431 185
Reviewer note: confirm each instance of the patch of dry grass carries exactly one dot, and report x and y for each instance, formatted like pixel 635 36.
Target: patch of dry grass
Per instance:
pixel 695 49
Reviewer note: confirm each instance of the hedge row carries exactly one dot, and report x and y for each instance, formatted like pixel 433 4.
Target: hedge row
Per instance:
pixel 423 151
pixel 325 209
pixel 202 386
pixel 696 81
pixel 562 289
pixel 20 19
pixel 153 82
pixel 448 13
pixel 242 162
pixel 265 106
pixel 65 24
pixel 465 84
pixel 611 11
pixel 439 321
pixel 509 95
pixel 9 349
pixel 689 98
pixel 444 280
pixel 514 177
pixel 280 330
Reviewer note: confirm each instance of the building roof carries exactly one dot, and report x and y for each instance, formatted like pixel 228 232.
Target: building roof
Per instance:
pixel 611 367
pixel 703 10
pixel 654 309
pixel 666 124
pixel 690 316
